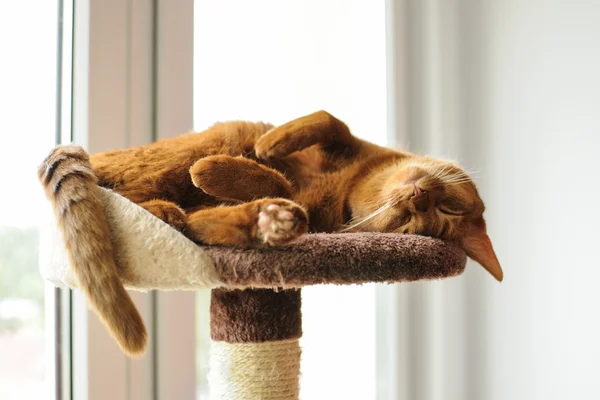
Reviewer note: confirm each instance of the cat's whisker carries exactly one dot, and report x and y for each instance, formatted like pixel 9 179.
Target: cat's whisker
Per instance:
pixel 368 217
pixel 462 180
pixel 459 176
pixel 371 216
pixel 458 182
pixel 393 198
pixel 443 174
pixel 456 177
pixel 435 171
pixel 378 202
pixel 440 171
pixel 458 173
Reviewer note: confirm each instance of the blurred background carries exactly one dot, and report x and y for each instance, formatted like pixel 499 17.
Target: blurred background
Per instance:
pixel 28 42
pixel 510 89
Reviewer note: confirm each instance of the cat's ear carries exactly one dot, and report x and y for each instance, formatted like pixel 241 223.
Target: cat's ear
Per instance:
pixel 478 247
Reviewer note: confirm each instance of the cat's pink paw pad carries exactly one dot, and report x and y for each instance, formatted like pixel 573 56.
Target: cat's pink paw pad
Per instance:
pixel 280 222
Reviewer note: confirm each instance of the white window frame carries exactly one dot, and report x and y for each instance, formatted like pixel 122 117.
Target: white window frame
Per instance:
pixel 58 301
pixel 132 84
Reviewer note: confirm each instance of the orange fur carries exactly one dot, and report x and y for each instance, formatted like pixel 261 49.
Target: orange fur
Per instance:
pixel 250 184
pixel 71 185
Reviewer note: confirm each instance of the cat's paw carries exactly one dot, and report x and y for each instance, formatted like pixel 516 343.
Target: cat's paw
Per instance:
pixel 168 212
pixel 214 174
pixel 238 178
pixel 277 143
pixel 280 221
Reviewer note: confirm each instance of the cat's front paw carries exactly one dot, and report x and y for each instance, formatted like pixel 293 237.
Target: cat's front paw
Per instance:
pixel 168 212
pixel 280 221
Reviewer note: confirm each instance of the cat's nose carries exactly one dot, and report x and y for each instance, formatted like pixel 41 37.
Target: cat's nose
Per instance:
pixel 420 199
pixel 417 191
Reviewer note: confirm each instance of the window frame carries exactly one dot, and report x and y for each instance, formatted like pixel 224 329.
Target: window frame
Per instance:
pixel 58 301
pixel 131 84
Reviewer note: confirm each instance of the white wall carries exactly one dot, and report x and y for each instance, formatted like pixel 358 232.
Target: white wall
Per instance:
pixel 510 88
pixel 542 134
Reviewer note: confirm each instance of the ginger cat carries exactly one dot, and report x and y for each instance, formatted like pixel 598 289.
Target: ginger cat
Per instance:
pixel 250 185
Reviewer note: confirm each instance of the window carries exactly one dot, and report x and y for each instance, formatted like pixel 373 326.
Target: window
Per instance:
pixel 275 61
pixel 202 343
pixel 27 131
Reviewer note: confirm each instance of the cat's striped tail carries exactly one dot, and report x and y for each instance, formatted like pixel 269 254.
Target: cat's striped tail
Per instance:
pixel 71 185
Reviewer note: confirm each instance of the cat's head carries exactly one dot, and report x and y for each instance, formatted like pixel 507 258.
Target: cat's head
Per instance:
pixel 421 195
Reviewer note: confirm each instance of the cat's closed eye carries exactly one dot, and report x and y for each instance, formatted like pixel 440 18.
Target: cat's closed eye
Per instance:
pixel 452 205
pixel 449 211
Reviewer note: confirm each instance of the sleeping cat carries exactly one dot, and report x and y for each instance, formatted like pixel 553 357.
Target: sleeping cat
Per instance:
pixel 251 185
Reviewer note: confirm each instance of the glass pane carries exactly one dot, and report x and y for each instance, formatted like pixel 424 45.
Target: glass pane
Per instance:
pixel 28 34
pixel 277 60
pixel 202 342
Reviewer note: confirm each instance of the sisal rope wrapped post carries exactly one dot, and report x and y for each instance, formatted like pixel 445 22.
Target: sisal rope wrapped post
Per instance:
pixel 255 352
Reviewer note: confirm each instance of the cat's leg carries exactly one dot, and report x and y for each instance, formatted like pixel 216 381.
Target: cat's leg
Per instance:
pixel 319 128
pixel 238 178
pixel 167 211
pixel 254 224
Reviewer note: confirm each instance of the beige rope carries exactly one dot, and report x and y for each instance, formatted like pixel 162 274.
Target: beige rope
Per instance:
pixel 264 371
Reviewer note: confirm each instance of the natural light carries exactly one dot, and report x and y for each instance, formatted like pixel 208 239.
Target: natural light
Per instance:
pixel 28 98
pixel 509 89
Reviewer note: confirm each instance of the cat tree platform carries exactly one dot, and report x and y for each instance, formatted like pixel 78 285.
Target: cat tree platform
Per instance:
pixel 255 306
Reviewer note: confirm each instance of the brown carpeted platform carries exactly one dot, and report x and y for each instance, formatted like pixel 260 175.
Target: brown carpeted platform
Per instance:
pixel 347 258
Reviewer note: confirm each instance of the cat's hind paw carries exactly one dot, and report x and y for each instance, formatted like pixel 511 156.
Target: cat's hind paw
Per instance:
pixel 238 178
pixel 281 221
pixel 278 143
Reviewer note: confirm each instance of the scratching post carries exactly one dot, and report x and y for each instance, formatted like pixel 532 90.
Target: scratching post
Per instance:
pixel 255 352
pixel 255 307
